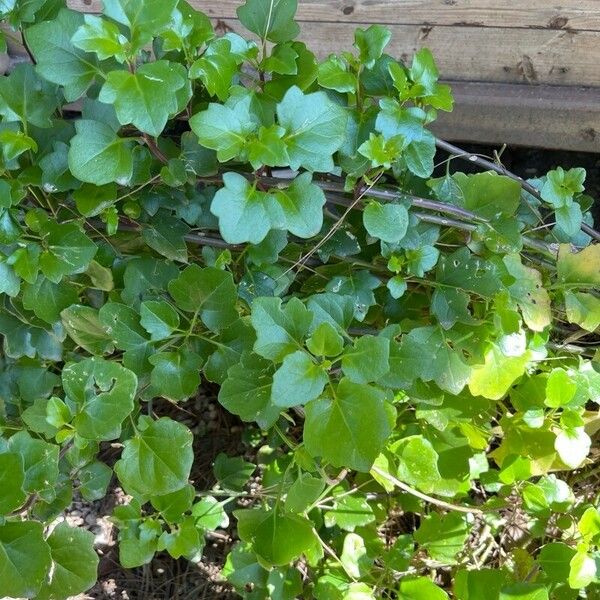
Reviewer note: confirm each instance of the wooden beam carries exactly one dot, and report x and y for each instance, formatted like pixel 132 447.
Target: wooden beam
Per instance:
pixel 475 53
pixel 569 14
pixel 566 118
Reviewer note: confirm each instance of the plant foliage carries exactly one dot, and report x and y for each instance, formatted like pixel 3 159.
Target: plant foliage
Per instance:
pixel 180 207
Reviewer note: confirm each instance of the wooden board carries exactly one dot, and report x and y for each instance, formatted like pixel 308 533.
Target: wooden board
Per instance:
pixel 475 53
pixel 570 14
pixel 566 118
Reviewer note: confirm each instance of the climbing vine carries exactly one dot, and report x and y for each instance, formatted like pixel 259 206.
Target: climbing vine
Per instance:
pixel 413 350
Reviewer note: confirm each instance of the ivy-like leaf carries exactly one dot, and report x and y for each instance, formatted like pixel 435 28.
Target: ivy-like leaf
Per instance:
pixel 146 98
pixel 157 460
pixel 57 59
pixel 350 429
pixel 24 558
pixel 102 392
pixel 97 155
pixel 315 128
pixel 271 20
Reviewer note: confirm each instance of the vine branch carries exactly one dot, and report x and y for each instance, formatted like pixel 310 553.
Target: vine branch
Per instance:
pixel 488 164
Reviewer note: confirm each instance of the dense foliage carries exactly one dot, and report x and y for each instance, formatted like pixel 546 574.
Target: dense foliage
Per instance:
pixel 413 355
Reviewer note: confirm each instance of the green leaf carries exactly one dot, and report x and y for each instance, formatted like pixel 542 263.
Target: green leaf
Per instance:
pixel 74 562
pixel 494 378
pixel 349 512
pixel 100 36
pixel 325 341
pixel 176 375
pixel 97 155
pixel 166 236
pixel 488 194
pixel 122 323
pixel 243 211
pixel 468 272
pixel 279 331
pixel 208 292
pixel 183 540
pixel 569 219
pixel 94 480
pixel 382 152
pixel 554 559
pixel 302 207
pixel 573 446
pixel 367 360
pixel 173 506
pixel 420 588
pixel 39 459
pixel 560 389
pixel 524 591
pixel 297 381
pixel 68 251
pixel 418 462
pixel 15 143
pixel 12 478
pixel 268 148
pixel 560 186
pixel 144 18
pixel 24 559
pixel 443 536
pixel 583 309
pixel 103 392
pixel 582 571
pixel 451 306
pixel 579 268
pixel 146 98
pixel 157 460
pixel 232 473
pixel 247 391
pixel 315 129
pixel 425 353
pixel 350 429
pixel 370 43
pixel 224 128
pixel 57 59
pixel 271 20
pixel 388 222
pixel 216 68
pixel 276 537
pixel 354 557
pixel 83 325
pixel 47 299
pixel 282 60
pixel 303 492
pixel 334 75
pixel 158 318
pixel 146 277
pixel 210 514
pixel 9 282
pixel 529 293
pixel 27 98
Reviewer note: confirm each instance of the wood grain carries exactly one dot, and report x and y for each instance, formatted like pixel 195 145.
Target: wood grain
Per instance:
pixel 571 14
pixel 478 54
pixel 566 118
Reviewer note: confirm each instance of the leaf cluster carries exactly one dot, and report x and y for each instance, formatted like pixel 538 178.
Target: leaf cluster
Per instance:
pixel 413 350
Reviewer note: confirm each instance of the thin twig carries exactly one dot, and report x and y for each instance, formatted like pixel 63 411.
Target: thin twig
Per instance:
pixel 422 496
pixel 156 151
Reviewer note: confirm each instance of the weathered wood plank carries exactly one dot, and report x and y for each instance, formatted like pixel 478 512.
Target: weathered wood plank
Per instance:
pixel 476 53
pixel 566 118
pixel 571 14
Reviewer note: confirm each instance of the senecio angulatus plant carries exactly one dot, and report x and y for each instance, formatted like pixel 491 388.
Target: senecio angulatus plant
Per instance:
pixel 415 357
